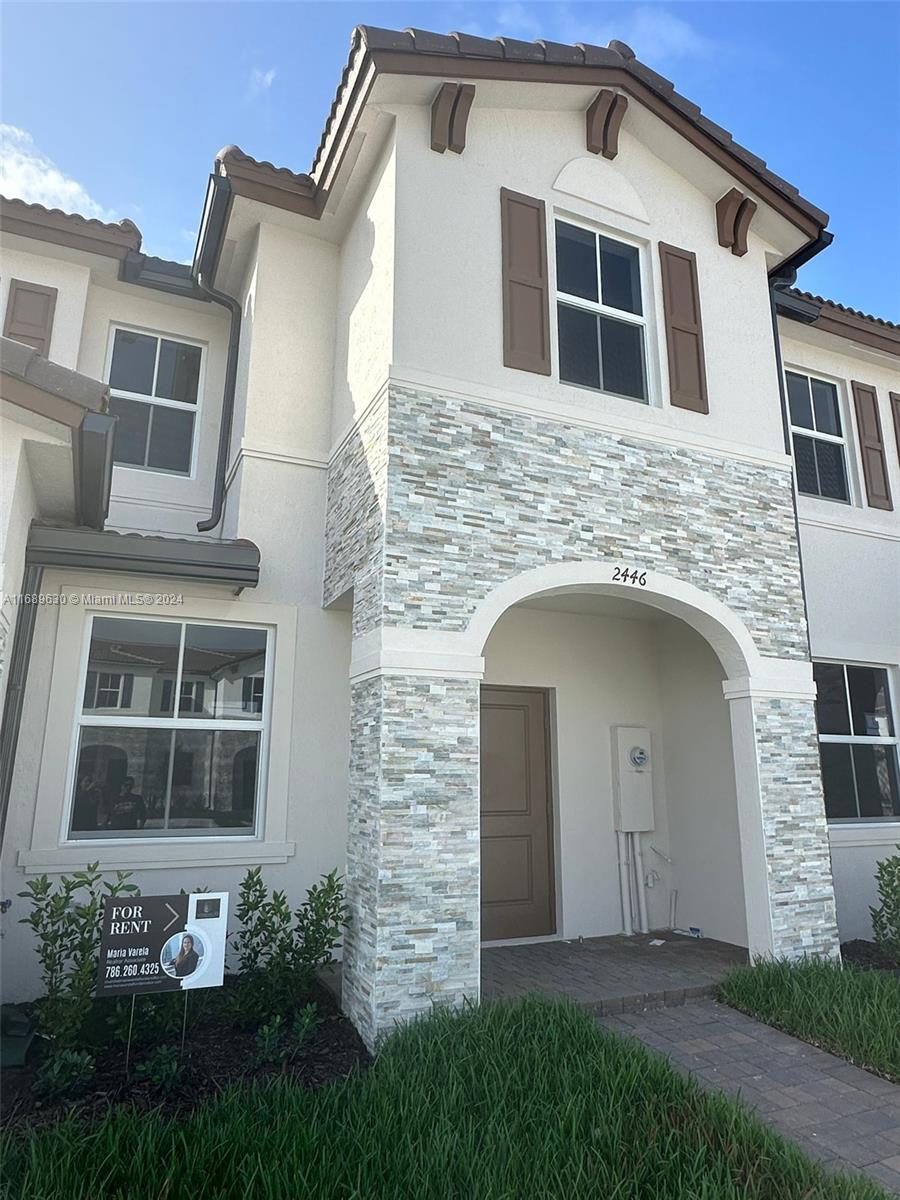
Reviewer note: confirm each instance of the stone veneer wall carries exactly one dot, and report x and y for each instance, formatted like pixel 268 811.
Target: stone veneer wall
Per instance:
pixel 478 494
pixel 801 894
pixel 433 502
pixel 413 864
pixel 354 523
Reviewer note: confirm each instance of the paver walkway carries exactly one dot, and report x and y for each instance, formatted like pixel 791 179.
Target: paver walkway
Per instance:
pixel 836 1112
pixel 610 974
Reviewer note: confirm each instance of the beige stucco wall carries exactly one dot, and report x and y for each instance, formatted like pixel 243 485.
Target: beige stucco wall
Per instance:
pixel 367 318
pixel 71 280
pixel 851 562
pixel 154 501
pixel 304 797
pixel 700 787
pixel 448 286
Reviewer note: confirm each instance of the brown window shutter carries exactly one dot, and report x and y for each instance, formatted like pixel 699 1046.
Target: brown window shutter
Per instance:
pixel 871 445
pixel 526 290
pixel 29 314
pixel 895 410
pixel 684 329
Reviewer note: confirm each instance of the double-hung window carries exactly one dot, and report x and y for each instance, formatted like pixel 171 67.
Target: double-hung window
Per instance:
pixel 857 742
pixel 600 312
pixel 817 432
pixel 154 389
pixel 143 770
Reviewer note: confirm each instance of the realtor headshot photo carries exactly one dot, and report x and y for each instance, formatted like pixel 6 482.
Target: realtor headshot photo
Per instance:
pixel 182 954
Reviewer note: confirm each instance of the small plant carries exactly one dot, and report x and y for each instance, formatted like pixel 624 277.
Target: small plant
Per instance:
pixel 269 1041
pixel 319 921
pixel 66 1072
pixel 305 1021
pixel 162 1067
pixel 66 925
pixel 157 1018
pixel 886 918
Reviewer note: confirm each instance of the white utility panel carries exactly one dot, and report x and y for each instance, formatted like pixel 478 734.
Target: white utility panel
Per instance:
pixel 632 779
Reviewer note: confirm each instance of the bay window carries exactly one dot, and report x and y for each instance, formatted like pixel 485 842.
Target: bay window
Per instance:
pixel 145 770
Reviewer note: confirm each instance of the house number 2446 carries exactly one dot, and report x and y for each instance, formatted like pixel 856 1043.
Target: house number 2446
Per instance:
pixel 623 575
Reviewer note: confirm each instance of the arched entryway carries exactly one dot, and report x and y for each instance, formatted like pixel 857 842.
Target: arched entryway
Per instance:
pixel 743 807
pixel 567 677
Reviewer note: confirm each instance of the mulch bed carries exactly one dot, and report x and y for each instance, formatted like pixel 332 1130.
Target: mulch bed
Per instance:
pixel 860 953
pixel 216 1057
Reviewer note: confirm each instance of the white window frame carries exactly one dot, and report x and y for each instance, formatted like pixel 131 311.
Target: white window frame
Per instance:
pixel 601 309
pixel 844 441
pixel 48 851
pixel 175 722
pixel 180 405
pixel 857 739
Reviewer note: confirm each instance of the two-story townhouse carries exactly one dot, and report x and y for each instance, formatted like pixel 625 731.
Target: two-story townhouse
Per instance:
pixel 454 511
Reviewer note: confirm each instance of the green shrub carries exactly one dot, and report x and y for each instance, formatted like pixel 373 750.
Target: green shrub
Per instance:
pixel 66 923
pixel 305 1021
pixel 886 918
pixel 64 1073
pixel 157 1017
pixel 162 1067
pixel 319 921
pixel 279 951
pixel 269 1038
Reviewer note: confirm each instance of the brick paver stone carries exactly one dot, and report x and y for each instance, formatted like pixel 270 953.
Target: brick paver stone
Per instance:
pixel 846 1117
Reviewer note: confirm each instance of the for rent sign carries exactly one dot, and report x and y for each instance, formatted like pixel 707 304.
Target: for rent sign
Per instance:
pixel 162 943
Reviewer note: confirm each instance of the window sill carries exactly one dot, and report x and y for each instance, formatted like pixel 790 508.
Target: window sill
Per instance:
pixel 876 833
pixel 152 855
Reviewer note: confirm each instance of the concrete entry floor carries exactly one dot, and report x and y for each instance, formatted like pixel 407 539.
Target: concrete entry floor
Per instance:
pixel 610 974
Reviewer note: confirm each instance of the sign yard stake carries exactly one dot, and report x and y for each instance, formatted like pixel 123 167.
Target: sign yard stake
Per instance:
pixel 130 1027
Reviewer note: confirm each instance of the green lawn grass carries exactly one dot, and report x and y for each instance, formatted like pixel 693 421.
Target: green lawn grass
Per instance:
pixel 525 1101
pixel 851 1012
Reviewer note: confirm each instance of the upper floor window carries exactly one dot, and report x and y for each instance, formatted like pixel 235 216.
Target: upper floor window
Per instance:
pixel 857 742
pixel 146 769
pixel 817 432
pixel 600 312
pixel 154 383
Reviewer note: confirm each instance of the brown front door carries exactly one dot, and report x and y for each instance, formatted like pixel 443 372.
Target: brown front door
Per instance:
pixel 516 843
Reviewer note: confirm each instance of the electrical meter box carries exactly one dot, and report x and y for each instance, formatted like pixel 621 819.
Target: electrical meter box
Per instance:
pixel 632 778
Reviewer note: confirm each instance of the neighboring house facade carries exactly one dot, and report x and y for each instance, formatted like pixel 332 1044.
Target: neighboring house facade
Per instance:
pixel 524 544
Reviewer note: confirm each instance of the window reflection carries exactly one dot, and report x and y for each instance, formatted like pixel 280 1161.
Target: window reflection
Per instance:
pixel 144 769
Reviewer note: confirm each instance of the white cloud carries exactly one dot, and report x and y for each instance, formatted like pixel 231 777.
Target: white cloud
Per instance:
pixel 656 35
pixel 260 81
pixel 29 175
pixel 516 21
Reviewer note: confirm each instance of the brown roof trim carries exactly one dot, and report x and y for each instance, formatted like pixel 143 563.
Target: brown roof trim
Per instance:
pixel 68 229
pixel 850 323
pixel 418 52
pixel 267 183
pixel 31 381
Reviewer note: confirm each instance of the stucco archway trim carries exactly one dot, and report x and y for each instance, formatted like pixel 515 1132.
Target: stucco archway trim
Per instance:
pixel 713 620
pixel 397 649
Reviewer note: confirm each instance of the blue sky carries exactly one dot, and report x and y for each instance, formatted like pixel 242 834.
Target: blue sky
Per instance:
pixel 117 110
